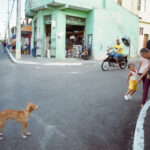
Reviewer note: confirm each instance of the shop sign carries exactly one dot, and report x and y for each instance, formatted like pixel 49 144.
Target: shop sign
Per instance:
pixel 71 20
pixel 47 19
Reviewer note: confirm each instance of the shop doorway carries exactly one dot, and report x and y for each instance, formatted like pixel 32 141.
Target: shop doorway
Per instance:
pixel 47 40
pixel 74 40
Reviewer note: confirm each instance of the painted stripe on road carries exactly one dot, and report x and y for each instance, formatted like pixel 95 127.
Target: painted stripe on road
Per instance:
pixel 49 132
pixel 138 143
pixel 73 72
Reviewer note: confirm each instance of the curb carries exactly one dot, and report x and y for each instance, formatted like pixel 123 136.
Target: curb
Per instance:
pixel 37 63
pixel 98 62
pixel 138 143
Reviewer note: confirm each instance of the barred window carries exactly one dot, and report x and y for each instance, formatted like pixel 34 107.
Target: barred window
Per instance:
pixel 141 5
pixel 120 2
pixel 141 31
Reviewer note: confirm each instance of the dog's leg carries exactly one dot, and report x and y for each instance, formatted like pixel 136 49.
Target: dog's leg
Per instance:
pixel 1 127
pixel 26 129
pixel 1 134
pixel 23 127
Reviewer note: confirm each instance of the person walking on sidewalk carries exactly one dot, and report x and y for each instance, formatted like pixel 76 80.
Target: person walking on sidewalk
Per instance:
pixel 145 52
pixel 132 82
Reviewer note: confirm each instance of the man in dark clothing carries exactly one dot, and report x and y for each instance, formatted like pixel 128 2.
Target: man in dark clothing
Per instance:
pixel 4 44
pixel 148 44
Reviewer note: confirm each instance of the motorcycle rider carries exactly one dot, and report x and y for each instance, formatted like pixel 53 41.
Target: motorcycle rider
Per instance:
pixel 119 51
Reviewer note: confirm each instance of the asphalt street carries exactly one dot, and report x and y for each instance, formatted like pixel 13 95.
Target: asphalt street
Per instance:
pixel 80 107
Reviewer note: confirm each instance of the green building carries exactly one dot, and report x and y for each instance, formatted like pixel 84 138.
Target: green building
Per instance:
pixel 65 27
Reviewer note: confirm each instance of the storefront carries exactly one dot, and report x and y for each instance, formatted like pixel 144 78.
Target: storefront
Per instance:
pixel 72 33
pixel 63 31
pixel 26 34
pixel 75 36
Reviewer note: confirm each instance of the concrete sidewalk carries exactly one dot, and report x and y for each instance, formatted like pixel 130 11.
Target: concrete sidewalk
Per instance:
pixel 29 59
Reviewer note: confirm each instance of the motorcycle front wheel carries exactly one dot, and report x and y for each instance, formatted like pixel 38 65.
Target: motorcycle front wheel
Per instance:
pixel 123 64
pixel 105 65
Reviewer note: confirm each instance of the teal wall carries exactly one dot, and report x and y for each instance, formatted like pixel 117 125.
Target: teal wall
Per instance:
pixel 89 27
pixel 58 34
pixel 111 23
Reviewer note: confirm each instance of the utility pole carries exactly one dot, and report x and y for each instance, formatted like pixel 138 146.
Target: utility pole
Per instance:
pixel 18 37
pixel 8 26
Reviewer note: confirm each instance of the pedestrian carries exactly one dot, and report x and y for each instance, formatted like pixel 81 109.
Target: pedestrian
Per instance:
pixel 132 81
pixel 4 45
pixel 145 52
pixel 148 44
pixel 143 65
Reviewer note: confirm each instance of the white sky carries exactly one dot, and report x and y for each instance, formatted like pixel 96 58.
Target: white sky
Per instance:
pixel 4 15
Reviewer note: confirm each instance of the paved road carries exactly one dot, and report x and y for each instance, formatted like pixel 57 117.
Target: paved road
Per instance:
pixel 80 108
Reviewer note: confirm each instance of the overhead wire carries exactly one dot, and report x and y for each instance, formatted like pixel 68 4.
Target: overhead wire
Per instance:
pixel 12 9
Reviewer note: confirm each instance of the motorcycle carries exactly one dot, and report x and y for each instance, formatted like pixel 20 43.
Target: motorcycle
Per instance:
pixel 110 61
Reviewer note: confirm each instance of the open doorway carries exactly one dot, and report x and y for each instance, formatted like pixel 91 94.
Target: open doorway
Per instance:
pixel 74 40
pixel 47 40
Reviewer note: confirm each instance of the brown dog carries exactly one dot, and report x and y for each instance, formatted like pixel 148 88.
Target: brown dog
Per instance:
pixel 20 116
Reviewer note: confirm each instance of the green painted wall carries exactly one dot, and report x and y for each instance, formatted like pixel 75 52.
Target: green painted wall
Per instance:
pixel 40 33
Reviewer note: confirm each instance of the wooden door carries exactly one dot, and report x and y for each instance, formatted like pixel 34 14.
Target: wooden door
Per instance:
pixel 145 40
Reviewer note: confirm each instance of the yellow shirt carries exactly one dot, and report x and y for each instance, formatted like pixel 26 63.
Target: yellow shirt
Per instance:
pixel 118 47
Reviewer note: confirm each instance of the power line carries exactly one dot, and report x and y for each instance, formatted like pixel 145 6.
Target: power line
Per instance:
pixel 12 9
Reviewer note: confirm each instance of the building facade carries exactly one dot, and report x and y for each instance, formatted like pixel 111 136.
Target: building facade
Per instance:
pixel 141 8
pixel 65 27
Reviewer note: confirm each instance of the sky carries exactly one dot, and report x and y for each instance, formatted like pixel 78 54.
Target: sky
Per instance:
pixel 4 15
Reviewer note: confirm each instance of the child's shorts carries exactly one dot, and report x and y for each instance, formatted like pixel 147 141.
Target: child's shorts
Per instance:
pixel 133 85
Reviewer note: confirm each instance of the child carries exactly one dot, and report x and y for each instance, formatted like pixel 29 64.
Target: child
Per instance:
pixel 132 81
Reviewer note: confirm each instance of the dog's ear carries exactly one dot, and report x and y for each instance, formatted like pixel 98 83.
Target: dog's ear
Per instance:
pixel 30 107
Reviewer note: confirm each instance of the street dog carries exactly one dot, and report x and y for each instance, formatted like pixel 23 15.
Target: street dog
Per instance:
pixel 20 116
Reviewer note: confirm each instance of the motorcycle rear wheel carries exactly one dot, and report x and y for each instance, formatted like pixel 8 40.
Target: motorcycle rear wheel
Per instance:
pixel 105 65
pixel 123 64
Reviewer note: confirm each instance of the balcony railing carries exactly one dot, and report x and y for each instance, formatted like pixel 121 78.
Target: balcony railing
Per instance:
pixel 74 4
pixel 34 3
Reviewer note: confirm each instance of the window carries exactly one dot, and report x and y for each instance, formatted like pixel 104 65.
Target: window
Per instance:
pixel 141 6
pixel 120 2
pixel 141 31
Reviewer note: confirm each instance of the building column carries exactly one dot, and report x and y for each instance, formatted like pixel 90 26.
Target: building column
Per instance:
pixel 40 34
pixel 33 34
pixel 58 35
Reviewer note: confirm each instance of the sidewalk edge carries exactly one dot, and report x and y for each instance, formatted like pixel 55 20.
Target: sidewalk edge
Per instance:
pixel 138 143
pixel 37 63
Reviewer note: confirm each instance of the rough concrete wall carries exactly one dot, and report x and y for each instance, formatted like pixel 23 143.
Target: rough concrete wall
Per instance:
pixel 90 28
pixel 60 35
pixel 40 33
pixel 112 23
